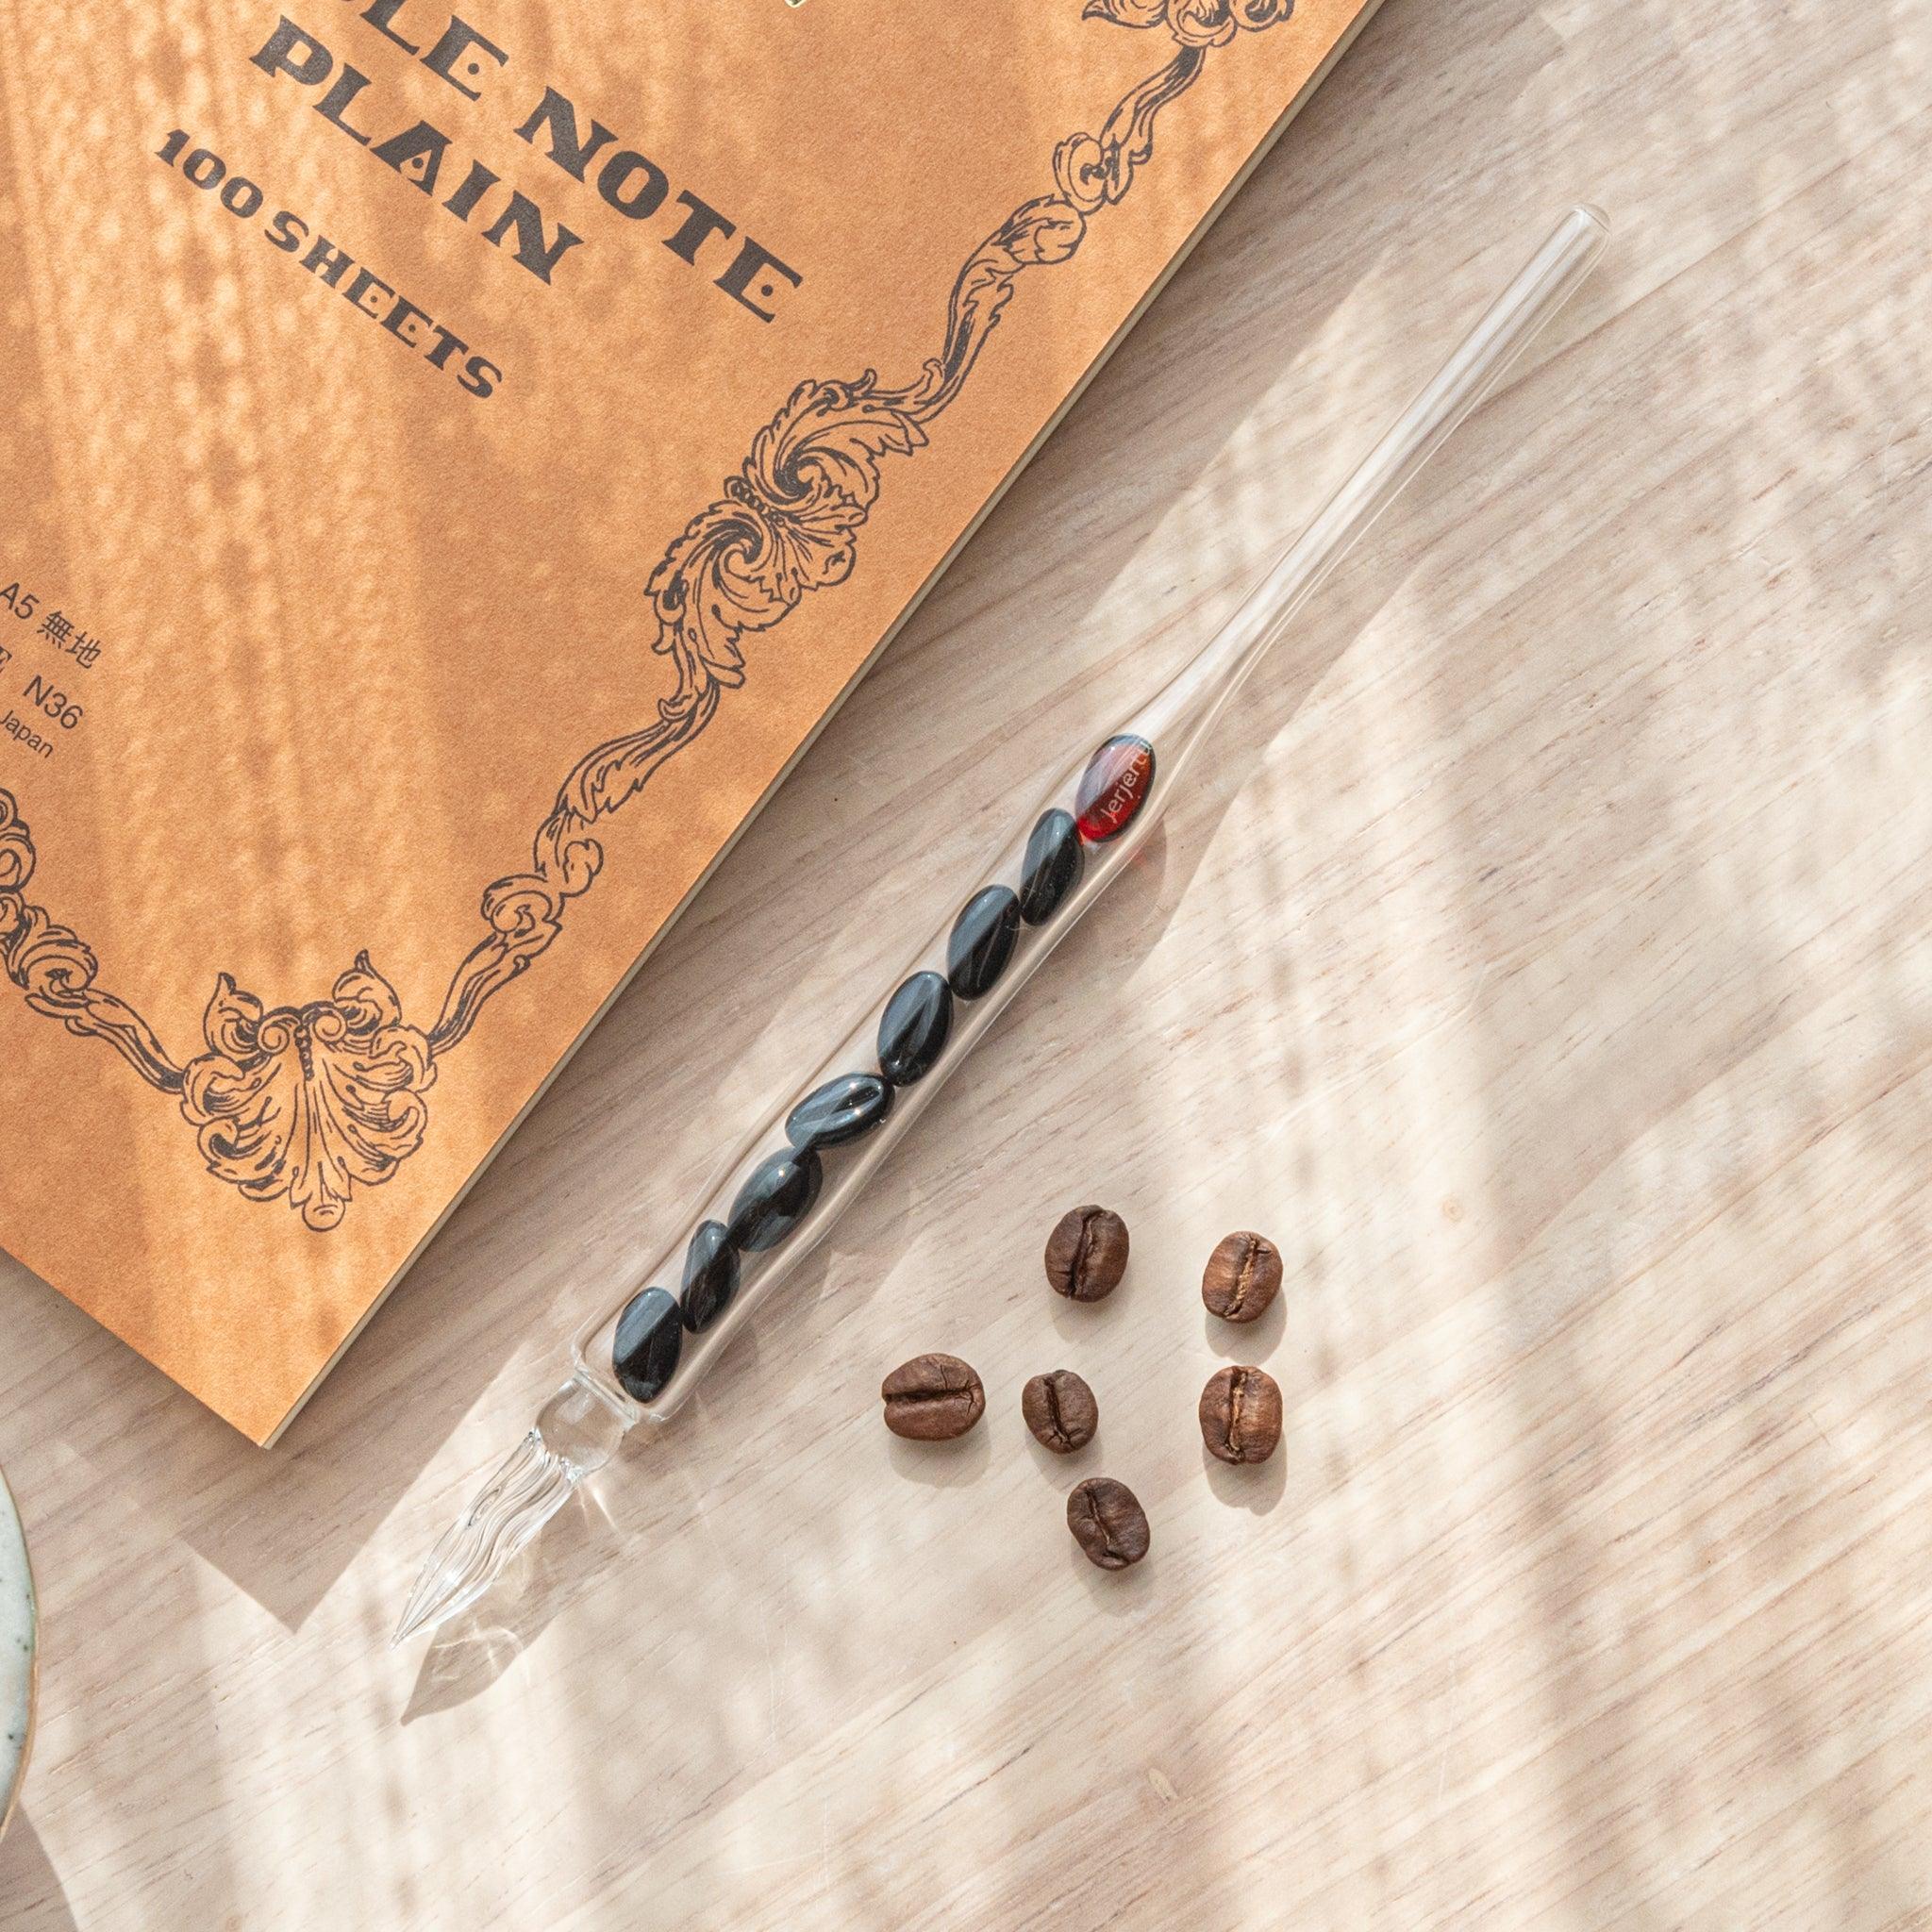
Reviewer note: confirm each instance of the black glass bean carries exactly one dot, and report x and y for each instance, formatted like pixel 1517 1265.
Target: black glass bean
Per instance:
pixel 775 1200
pixel 912 1033
pixel 1054 860
pixel 982 941
pixel 711 1276
pixel 840 1110
pixel 649 1339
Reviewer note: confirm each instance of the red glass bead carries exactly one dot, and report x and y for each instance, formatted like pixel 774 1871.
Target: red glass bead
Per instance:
pixel 1113 787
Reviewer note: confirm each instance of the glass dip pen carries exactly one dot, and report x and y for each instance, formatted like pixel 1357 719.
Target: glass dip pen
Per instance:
pixel 641 1361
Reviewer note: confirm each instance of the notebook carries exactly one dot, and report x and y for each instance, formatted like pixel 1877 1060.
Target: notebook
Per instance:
pixel 451 465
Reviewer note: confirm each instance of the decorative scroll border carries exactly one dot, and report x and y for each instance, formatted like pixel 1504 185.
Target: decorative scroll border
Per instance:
pixel 312 1102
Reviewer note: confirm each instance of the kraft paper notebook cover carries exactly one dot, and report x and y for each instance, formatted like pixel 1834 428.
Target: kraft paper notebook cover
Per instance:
pixel 450 465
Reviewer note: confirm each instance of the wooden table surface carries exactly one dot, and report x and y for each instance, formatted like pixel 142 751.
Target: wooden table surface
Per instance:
pixel 1544 960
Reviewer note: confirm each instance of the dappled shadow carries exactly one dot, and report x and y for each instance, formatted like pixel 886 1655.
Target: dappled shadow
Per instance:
pixel 31 1895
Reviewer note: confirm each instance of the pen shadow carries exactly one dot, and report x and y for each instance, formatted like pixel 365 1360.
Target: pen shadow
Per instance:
pixel 607 1521
pixel 616 1520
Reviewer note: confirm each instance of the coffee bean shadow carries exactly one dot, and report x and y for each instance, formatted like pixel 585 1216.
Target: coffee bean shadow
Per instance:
pixel 1247 1342
pixel 1085 1321
pixel 1063 1472
pixel 1254 1487
pixel 942 1465
pixel 1119 1592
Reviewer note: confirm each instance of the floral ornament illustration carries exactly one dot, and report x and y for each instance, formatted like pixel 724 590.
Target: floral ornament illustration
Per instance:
pixel 1193 22
pixel 309 1103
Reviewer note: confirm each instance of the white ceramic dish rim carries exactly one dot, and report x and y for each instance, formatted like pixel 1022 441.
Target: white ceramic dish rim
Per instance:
pixel 19 1681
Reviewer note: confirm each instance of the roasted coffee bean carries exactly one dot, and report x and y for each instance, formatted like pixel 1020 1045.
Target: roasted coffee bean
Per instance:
pixel 1108 1523
pixel 913 1030
pixel 1242 1277
pixel 711 1276
pixel 649 1339
pixel 840 1110
pixel 932 1398
pixel 1087 1254
pixel 1054 860
pixel 982 941
pixel 1060 1410
pixel 1241 1415
pixel 775 1200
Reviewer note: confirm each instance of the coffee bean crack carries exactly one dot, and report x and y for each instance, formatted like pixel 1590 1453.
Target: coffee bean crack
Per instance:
pixel 932 1398
pixel 1108 1523
pixel 1241 1415
pixel 1060 1409
pixel 1243 1278
pixel 1087 1254
pixel 1099 1535
pixel 1056 1422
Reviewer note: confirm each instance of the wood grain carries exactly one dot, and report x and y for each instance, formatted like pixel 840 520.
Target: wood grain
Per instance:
pixel 1544 964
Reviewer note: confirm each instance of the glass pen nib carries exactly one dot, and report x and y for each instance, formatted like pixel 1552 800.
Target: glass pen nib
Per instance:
pixel 530 1489
pixel 575 1436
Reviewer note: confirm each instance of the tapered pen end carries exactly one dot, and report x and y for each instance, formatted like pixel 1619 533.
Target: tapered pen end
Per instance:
pixel 524 1495
pixel 427 1607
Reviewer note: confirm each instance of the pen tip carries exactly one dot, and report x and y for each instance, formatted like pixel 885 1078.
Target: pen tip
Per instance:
pixel 524 1495
pixel 419 1612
